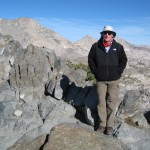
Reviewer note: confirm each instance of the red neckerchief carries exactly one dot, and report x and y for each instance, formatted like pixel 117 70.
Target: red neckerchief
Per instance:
pixel 106 44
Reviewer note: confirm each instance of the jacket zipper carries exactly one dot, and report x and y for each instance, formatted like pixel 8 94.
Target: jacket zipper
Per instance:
pixel 107 65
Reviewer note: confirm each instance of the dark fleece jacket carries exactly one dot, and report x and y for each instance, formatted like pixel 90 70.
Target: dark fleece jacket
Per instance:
pixel 107 66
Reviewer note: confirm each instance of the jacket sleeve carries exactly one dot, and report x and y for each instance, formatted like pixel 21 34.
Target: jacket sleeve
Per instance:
pixel 122 60
pixel 91 60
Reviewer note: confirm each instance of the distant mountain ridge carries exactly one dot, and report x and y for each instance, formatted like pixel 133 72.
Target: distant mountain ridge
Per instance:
pixel 27 30
pixel 88 40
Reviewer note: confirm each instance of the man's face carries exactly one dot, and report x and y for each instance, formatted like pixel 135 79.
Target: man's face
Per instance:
pixel 107 36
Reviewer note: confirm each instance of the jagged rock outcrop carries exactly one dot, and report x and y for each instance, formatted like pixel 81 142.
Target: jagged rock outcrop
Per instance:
pixel 32 69
pixel 23 92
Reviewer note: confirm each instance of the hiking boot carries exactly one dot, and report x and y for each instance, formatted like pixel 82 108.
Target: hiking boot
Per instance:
pixel 109 130
pixel 101 129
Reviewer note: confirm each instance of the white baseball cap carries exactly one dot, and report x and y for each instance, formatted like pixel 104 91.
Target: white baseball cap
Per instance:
pixel 109 28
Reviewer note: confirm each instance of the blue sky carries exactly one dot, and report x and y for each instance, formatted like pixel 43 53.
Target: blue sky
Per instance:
pixel 73 19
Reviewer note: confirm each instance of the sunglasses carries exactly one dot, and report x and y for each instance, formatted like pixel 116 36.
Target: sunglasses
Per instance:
pixel 107 32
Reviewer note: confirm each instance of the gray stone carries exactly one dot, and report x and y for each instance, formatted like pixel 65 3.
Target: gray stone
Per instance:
pixel 46 106
pixel 61 86
pixel 8 141
pixel 75 137
pixel 76 76
pixel 50 86
pixel 135 138
pixel 62 112
pixel 34 144
pixel 33 67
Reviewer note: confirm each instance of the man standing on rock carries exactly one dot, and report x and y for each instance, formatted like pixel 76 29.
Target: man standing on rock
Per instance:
pixel 107 61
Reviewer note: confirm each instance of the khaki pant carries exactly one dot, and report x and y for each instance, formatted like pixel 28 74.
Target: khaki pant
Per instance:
pixel 108 92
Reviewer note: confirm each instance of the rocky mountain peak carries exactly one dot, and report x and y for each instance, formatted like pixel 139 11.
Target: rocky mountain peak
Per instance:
pixel 87 41
pixel 27 30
